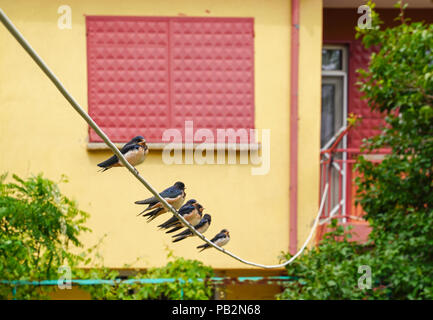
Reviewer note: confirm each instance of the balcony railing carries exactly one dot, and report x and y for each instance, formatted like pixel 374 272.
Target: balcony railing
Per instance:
pixel 336 168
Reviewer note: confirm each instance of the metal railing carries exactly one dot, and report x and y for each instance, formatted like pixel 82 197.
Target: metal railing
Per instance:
pixel 336 169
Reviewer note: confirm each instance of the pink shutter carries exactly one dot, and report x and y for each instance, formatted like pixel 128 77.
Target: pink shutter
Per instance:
pixel 148 74
pixel 128 76
pixel 359 58
pixel 212 73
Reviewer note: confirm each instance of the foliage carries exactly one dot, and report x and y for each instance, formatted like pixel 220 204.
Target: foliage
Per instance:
pixel 331 270
pixel 396 194
pixel 179 268
pixel 37 227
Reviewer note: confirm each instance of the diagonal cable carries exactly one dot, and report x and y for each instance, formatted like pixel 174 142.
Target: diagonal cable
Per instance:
pixel 27 47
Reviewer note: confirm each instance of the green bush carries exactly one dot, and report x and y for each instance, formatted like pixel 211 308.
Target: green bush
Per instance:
pixel 38 228
pixel 331 270
pixel 188 270
pixel 38 225
pixel 396 194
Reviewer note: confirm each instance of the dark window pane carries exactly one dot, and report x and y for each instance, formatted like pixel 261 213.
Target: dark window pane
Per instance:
pixel 331 59
pixel 328 113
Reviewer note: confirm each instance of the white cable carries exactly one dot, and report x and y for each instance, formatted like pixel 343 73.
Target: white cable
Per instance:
pixel 22 41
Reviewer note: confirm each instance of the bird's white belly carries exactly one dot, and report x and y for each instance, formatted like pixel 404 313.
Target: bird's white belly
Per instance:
pixel 178 202
pixel 222 242
pixel 136 157
pixel 195 220
pixel 204 228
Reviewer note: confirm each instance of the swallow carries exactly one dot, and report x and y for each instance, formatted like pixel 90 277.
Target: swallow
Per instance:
pixel 201 227
pixel 174 195
pixel 159 211
pixel 194 221
pixel 135 151
pixel 221 239
pixel 192 213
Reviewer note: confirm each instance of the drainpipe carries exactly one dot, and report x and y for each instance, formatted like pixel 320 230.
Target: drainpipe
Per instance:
pixel 294 87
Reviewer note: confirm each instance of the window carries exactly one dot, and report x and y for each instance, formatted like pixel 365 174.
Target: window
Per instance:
pixel 149 74
pixel 334 77
pixel 334 115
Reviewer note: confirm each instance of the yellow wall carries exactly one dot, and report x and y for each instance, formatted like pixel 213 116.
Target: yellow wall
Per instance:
pixel 310 59
pixel 40 132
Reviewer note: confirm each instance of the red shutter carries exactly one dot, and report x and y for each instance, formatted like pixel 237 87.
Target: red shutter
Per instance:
pixel 212 73
pixel 359 58
pixel 146 75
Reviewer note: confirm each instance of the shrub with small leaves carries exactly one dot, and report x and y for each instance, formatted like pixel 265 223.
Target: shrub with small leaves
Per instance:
pixel 189 282
pixel 38 227
pixel 397 193
pixel 331 270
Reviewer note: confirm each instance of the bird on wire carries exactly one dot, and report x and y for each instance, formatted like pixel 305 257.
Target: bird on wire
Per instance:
pixel 194 221
pixel 191 213
pixel 134 151
pixel 161 210
pixel 201 227
pixel 174 195
pixel 221 239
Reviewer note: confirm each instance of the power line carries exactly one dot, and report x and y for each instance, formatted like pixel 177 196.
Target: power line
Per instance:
pixel 27 47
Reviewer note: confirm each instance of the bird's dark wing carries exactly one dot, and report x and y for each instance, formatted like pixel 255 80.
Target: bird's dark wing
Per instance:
pixel 188 232
pixel 182 211
pixel 109 162
pixel 201 224
pixel 150 201
pixel 185 209
pixel 175 229
pixel 203 246
pixel 217 237
pixel 129 147
pixel 152 214
pixel 130 142
pixel 113 160
pixel 180 238
pixel 170 193
pixel 168 223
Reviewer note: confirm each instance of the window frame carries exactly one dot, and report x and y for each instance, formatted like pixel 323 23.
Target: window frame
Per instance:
pixel 343 74
pixel 92 145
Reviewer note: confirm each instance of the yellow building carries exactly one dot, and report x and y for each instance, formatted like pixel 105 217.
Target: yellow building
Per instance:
pixel 266 213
